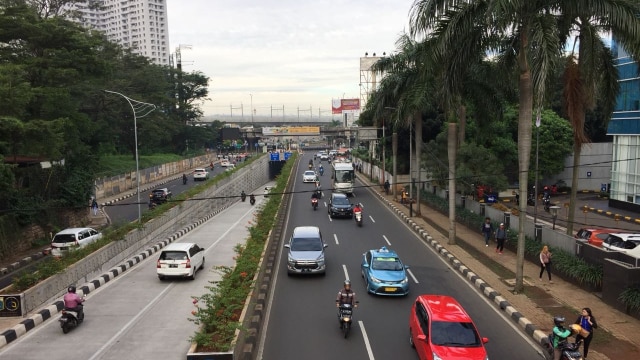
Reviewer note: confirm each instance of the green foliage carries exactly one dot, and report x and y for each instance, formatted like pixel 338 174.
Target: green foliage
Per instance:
pixel 631 298
pixel 218 310
pixel 111 165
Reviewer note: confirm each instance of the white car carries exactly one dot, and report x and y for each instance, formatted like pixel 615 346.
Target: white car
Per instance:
pixel 324 157
pixel 200 174
pixel 309 176
pixel 225 163
pixel 230 167
pixel 180 260
pixel 73 238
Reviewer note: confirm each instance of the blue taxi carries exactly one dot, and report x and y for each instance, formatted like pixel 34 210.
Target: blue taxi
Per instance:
pixel 384 273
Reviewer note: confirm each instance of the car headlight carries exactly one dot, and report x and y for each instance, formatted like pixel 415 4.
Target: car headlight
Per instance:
pixel 486 357
pixel 321 261
pixel 291 260
pixel 436 357
pixel 406 280
pixel 375 280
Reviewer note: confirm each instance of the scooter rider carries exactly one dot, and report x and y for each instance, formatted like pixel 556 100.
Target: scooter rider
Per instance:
pixel 184 178
pixel 73 301
pixel 357 208
pixel 243 195
pixel 321 170
pixel 346 296
pixel 560 336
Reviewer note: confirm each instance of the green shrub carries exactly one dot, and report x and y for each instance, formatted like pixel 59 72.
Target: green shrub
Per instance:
pixel 631 298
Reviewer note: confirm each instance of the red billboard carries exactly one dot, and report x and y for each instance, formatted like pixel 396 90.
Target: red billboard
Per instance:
pixel 341 106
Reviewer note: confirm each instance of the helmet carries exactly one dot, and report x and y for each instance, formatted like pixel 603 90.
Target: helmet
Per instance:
pixel 558 320
pixel 71 289
pixel 347 284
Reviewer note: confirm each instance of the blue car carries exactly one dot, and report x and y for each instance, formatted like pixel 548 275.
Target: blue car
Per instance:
pixel 384 273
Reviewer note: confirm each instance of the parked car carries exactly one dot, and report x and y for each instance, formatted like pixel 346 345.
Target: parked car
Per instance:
pixel 306 251
pixel 73 238
pixel 309 176
pixel 180 260
pixel 621 242
pixel 339 205
pixel 594 236
pixel 439 328
pixel 384 273
pixel 160 196
pixel 200 174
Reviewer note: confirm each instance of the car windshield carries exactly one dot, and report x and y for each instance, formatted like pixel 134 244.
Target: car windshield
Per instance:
pixel 344 175
pixel 341 201
pixel 386 263
pixel 201 170
pixel 309 173
pixel 173 255
pixel 454 334
pixel 303 244
pixel 64 238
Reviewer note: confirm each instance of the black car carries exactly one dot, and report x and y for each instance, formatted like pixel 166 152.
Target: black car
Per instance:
pixel 160 196
pixel 339 205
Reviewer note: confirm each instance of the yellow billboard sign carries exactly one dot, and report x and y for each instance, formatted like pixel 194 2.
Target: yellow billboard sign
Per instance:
pixel 290 130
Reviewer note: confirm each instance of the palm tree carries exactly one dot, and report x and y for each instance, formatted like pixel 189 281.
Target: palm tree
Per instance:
pixel 521 31
pixel 594 73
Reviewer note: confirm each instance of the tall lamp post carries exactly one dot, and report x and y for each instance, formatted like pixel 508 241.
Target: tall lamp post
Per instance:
pixel 535 187
pixel 144 109
pixel 394 147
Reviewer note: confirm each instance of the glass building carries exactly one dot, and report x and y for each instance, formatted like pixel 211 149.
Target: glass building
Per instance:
pixel 624 127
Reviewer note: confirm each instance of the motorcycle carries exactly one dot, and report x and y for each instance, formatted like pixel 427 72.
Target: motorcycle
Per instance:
pixel 243 196
pixel 358 216
pixel 184 180
pixel 531 199
pixel 546 201
pixel 346 318
pixel 314 203
pixel 569 350
pixel 321 171
pixel 252 199
pixel 70 320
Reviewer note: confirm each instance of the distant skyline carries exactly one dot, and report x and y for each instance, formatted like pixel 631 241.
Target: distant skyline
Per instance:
pixel 282 53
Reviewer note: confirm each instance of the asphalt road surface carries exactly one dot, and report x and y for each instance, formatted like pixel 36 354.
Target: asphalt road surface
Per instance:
pixel 302 319
pixel 137 316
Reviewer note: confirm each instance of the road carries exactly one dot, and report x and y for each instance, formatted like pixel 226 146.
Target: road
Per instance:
pixel 302 320
pixel 137 316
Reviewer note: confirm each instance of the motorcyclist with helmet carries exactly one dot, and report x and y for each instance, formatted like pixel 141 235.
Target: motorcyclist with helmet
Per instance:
pixel 321 169
pixel 560 336
pixel 73 302
pixel 243 195
pixel 346 296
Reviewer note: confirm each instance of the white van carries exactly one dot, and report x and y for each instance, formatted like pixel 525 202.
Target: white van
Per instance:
pixel 72 238
pixel 180 260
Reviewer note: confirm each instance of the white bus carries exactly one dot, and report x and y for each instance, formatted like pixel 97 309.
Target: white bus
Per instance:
pixel 343 177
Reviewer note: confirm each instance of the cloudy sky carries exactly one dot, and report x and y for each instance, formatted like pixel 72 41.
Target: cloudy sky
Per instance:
pixel 291 53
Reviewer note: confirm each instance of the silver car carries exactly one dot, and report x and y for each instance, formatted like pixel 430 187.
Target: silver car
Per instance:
pixel 309 176
pixel 306 251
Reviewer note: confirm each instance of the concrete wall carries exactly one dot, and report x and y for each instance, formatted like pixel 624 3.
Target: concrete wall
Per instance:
pixel 248 178
pixel 595 158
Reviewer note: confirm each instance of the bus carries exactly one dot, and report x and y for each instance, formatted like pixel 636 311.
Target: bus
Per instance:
pixel 343 177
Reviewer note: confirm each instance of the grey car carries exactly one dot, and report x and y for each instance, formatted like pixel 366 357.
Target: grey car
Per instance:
pixel 306 251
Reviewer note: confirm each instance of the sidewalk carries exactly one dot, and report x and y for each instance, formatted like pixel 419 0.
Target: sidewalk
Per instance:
pixel 540 300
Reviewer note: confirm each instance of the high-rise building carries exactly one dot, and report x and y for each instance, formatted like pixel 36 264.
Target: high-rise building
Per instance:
pixel 140 25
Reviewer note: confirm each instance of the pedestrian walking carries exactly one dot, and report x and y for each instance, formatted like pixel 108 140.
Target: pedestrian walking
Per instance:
pixel 588 323
pixel 501 236
pixel 403 199
pixel 94 206
pixel 545 262
pixel 487 230
pixel 386 186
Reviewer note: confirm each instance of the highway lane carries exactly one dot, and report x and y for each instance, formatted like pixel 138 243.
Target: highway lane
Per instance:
pixel 302 319
pixel 137 316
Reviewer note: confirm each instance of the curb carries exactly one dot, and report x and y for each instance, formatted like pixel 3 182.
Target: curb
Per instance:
pixel 24 262
pixel 41 316
pixel 529 328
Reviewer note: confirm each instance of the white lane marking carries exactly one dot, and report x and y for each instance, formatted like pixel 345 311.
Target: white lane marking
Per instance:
pixel 335 236
pixel 387 240
pixel 330 219
pixel 412 276
pixel 346 274
pixel 366 340
pixel 372 220
pixel 131 323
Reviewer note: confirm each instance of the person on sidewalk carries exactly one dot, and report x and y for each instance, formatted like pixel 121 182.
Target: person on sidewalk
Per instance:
pixel 487 230
pixel 94 207
pixel 588 323
pixel 501 236
pixel 545 262
pixel 386 186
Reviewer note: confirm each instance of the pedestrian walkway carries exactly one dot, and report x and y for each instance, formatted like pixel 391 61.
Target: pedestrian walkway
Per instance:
pixel 541 299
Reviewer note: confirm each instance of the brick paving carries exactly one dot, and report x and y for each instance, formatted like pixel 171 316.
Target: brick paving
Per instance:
pixel 618 324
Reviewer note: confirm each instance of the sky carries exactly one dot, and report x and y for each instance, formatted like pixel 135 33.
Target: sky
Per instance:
pixel 291 54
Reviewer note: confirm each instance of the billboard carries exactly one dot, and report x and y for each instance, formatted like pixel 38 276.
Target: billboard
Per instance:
pixel 345 106
pixel 291 130
pixel 230 134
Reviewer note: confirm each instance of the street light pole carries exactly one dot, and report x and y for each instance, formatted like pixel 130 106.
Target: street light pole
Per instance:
pixel 384 157
pixel 144 109
pixel 535 187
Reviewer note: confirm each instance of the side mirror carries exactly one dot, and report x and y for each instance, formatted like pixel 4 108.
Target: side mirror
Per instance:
pixel 287 246
pixel 365 265
pixel 422 337
pixel 407 266
pixel 485 340
pixel 325 246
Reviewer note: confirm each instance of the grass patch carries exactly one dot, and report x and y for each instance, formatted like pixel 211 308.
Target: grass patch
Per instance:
pixel 112 165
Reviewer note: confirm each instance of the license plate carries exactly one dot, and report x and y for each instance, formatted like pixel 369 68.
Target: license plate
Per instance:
pixel 390 289
pixel 173 265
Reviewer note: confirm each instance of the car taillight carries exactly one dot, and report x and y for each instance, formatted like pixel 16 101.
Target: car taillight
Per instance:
pixel 188 264
pixel 63 312
pixel 158 264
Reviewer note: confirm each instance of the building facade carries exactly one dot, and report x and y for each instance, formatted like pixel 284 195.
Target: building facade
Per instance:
pixel 624 126
pixel 139 25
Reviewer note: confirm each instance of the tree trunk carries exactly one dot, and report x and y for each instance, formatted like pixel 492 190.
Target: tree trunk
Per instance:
pixel 394 147
pixel 462 121
pixel 577 150
pixel 418 136
pixel 451 150
pixel 524 149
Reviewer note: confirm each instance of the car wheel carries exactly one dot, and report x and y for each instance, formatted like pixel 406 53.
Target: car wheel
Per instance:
pixel 160 277
pixel 411 339
pixel 193 276
pixel 202 266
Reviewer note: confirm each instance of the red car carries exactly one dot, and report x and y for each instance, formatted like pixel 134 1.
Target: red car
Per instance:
pixel 440 329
